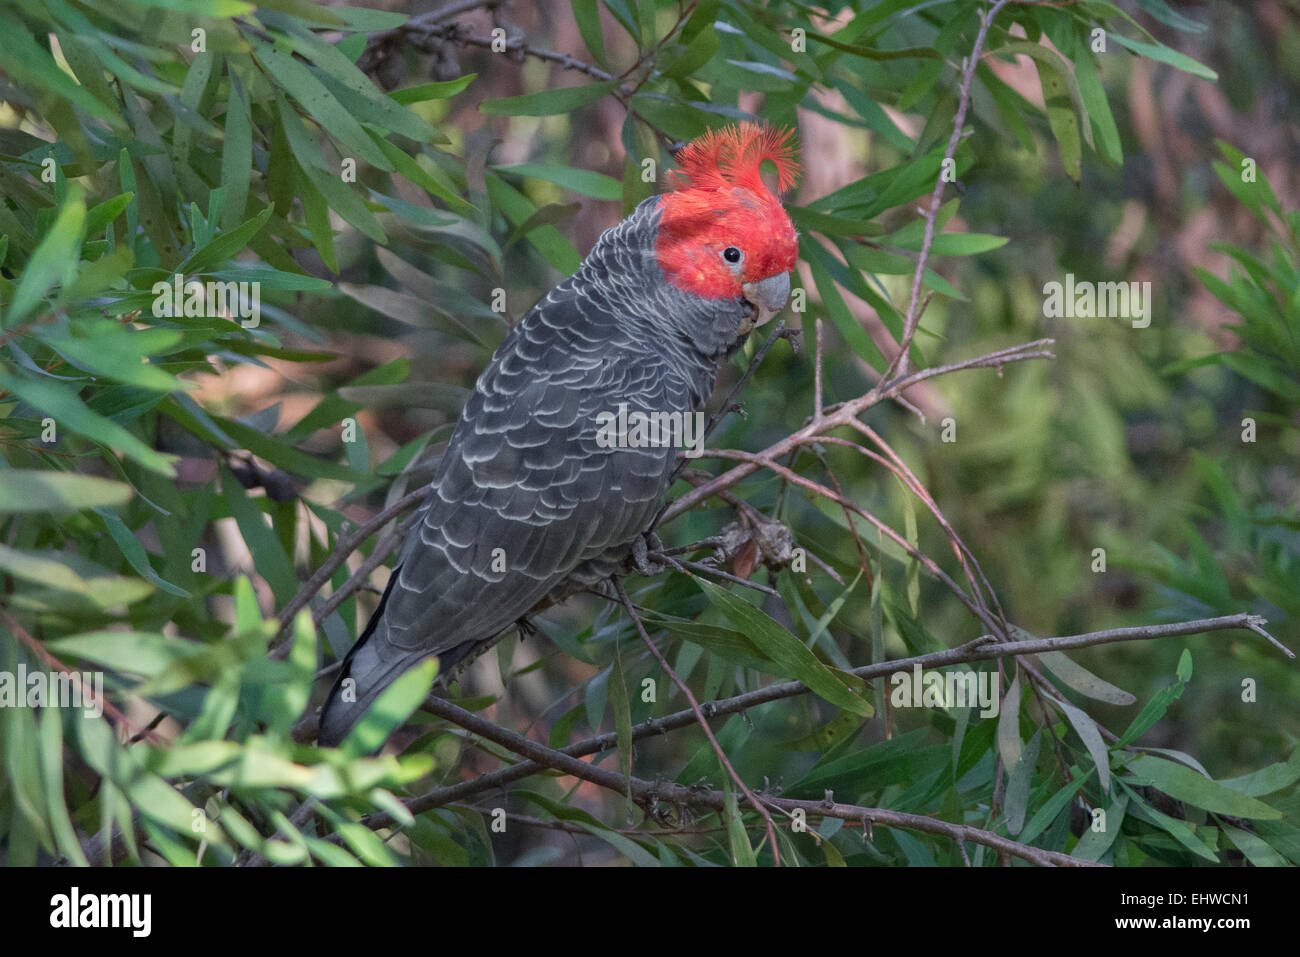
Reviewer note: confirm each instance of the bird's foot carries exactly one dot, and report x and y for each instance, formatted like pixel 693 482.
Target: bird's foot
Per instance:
pixel 644 558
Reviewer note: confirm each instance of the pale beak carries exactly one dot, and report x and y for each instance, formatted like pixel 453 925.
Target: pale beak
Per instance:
pixel 768 296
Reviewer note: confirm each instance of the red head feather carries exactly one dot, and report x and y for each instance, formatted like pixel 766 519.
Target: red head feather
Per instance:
pixel 719 200
pixel 733 157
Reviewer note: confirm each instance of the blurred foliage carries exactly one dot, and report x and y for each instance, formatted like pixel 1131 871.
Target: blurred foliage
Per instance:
pixel 170 481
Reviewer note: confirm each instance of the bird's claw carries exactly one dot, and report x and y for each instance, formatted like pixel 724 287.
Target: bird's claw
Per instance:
pixel 643 559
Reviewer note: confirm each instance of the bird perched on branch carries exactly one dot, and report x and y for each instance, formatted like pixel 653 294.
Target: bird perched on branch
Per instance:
pixel 530 502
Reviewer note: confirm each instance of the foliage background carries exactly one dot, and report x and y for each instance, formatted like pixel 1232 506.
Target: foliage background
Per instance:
pixel 483 171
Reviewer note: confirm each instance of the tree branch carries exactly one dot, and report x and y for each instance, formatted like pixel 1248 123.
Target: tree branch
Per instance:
pixel 650 794
pixel 980 649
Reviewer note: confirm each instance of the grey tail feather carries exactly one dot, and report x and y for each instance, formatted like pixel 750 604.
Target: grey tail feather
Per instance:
pixel 338 716
pixel 365 665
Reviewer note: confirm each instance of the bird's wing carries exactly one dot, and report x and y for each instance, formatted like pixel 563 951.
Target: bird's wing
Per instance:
pixel 525 491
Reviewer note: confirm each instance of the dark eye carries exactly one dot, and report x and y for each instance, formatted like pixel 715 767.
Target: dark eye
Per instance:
pixel 731 254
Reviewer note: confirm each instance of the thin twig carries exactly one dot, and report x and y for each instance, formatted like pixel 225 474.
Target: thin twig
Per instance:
pixel 840 417
pixel 900 361
pixel 817 370
pixel 701 720
pixel 704 569
pixel 344 546
pixel 87 693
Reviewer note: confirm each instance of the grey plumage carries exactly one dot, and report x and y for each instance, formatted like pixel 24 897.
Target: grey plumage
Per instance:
pixel 524 472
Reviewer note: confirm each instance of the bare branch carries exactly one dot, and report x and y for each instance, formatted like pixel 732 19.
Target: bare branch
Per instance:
pixel 840 417
pixel 931 213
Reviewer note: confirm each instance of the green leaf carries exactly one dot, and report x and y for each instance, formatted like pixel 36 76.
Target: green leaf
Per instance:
pixel 763 76
pixel 1160 10
pixel 1254 194
pixel 1060 115
pixel 342 200
pixel 226 245
pixel 1105 132
pixel 272 278
pixel 1155 709
pixel 283 455
pixel 913 571
pixel 55 259
pixel 397 703
pixel 155 799
pixel 718 639
pixel 28 63
pixel 1008 735
pixel 316 212
pixel 378 112
pixel 629 848
pixel 1019 780
pixel 1267 780
pixel 286 701
pixel 43 569
pixel 784 649
pixel 839 313
pixel 1162 54
pixel 619 702
pixel 698 52
pixel 1255 849
pixel 548 240
pixel 1092 740
pixel 1093 844
pixel 440 90
pixel 829 225
pixel 130 652
pixel 1176 829
pixel 966 244
pixel 34 490
pixel 134 552
pixel 1076 676
pixel 202 8
pixel 832 610
pixel 119 352
pixel 101 590
pixel 268 553
pixel 51 752
pixel 586 182
pixel 547 102
pixel 1262 372
pixel 361 19
pixel 63 404
pixel 22 770
pixel 98 217
pixel 321 105
pixel 1052 807
pixel 236 154
pixel 368 847
pixel 1186 785
pixel 586 14
pixel 432 179
pixel 742 852
pixel 548 215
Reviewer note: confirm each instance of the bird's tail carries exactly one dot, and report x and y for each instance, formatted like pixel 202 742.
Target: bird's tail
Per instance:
pixel 367 670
